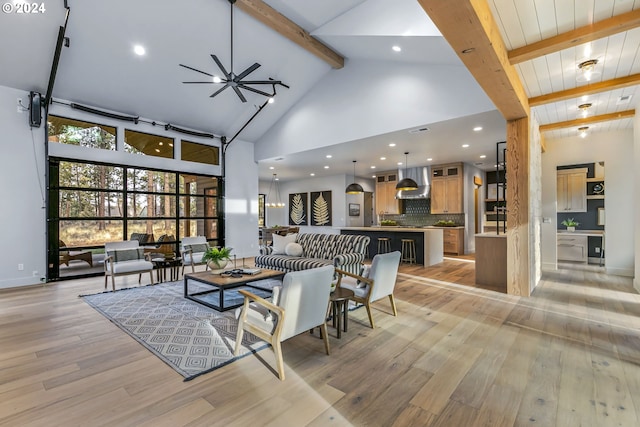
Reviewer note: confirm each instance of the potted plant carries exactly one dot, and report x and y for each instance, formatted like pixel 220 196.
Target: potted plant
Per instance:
pixel 570 224
pixel 217 258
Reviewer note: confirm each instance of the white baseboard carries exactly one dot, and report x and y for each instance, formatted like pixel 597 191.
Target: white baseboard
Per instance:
pixel 626 272
pixel 19 282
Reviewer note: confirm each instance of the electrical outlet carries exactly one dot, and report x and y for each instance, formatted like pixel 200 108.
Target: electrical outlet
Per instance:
pixel 597 250
pixel 20 267
pixel 19 105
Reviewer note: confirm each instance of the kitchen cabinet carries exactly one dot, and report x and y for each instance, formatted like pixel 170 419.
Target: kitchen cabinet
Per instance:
pixel 572 247
pixel 453 240
pixel 447 189
pixel 572 190
pixel 386 202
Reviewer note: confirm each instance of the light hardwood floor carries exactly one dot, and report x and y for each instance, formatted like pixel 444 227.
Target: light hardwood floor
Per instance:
pixel 455 356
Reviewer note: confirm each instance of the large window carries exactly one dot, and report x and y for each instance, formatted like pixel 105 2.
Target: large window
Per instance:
pixel 148 144
pixel 78 132
pixel 194 152
pixel 90 204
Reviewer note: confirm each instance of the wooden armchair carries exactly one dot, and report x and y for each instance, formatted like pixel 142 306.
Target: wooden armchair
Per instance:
pixel 300 305
pixel 125 257
pixel 378 283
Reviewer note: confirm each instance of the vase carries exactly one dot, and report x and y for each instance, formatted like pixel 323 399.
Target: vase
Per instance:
pixel 217 266
pixel 571 229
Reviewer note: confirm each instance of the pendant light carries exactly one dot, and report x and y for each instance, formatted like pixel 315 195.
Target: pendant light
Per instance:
pixel 406 183
pixel 354 188
pixel 270 202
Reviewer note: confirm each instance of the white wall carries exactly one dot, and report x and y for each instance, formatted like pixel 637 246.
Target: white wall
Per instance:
pixel 22 192
pixel 616 150
pixel 404 95
pixel 636 191
pixel 241 200
pixel 339 200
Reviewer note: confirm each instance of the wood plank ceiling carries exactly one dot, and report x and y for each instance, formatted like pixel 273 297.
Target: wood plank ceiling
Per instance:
pixel 547 39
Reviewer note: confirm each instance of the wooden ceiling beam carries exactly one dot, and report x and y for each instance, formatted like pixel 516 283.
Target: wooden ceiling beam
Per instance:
pixel 273 19
pixel 469 27
pixel 588 120
pixel 595 31
pixel 605 86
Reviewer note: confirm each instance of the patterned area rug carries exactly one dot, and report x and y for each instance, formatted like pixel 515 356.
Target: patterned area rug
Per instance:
pixel 191 338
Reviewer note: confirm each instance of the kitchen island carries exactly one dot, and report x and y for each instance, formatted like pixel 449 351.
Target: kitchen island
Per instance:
pixel 429 240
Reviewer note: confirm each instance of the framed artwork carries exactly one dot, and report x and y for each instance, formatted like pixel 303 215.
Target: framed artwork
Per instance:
pixel 354 209
pixel 298 214
pixel 320 208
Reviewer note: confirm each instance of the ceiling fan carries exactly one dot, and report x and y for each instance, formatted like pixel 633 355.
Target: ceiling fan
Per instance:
pixel 236 81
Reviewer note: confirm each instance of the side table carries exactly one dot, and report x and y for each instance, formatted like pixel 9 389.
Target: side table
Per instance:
pixel 162 264
pixel 339 301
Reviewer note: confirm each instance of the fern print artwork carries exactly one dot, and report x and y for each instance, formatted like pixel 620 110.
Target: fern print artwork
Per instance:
pixel 298 209
pixel 321 210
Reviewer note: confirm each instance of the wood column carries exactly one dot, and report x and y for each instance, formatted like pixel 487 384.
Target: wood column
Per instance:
pixel 518 224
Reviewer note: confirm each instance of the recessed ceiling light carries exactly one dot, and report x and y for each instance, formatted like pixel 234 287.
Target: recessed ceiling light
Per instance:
pixel 396 48
pixel 271 167
pixel 160 143
pixel 171 144
pixel 328 156
pixel 399 163
pixel 483 156
pixel 157 150
pixel 217 79
pixel 477 128
pixel 277 179
pixel 383 158
pixel 312 174
pixel 392 144
pixel 373 167
pixel 429 159
pixel 139 50
pixel 326 167
pixel 465 145
pixel 373 176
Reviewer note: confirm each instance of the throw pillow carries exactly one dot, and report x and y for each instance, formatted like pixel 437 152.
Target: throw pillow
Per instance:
pixel 126 254
pixel 281 242
pixel 293 249
pixel 364 273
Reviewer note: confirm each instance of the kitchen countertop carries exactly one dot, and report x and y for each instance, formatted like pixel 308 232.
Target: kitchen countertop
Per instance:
pixel 398 228
pixel 597 233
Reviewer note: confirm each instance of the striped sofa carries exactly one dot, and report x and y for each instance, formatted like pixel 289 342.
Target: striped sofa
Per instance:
pixel 343 251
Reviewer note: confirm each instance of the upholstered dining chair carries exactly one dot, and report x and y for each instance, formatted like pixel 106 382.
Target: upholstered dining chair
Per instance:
pixel 375 284
pixel 299 305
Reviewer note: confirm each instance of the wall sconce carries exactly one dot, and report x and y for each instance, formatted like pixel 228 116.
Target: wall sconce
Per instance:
pixel 277 203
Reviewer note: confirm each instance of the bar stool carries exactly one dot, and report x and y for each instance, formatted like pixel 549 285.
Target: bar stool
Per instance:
pixel 408 251
pixel 384 245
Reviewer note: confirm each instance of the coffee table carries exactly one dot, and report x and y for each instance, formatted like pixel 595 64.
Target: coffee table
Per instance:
pixel 221 292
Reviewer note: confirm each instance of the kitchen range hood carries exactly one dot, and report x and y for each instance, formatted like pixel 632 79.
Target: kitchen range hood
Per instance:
pixel 421 177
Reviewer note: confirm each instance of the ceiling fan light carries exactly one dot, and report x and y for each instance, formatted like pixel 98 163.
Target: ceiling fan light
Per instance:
pixel 217 79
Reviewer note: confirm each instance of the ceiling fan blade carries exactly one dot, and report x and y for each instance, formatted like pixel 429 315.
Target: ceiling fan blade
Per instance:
pixel 211 82
pixel 246 72
pixel 197 71
pixel 258 82
pixel 255 90
pixel 224 70
pixel 240 95
pixel 219 90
